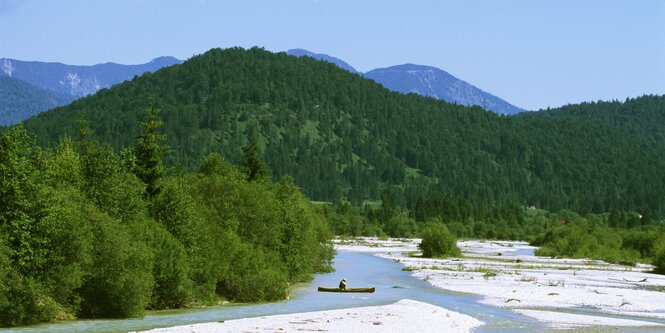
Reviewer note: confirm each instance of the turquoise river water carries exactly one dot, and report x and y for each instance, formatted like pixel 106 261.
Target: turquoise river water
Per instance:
pixel 361 270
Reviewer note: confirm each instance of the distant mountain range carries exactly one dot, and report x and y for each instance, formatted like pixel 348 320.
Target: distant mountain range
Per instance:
pixel 426 81
pixel 64 83
pixel 61 84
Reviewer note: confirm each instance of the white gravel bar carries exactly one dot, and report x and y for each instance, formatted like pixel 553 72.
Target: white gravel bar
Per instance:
pixel 571 320
pixel 403 316
pixel 495 271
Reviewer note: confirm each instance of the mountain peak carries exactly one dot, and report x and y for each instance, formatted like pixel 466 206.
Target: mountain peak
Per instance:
pixel 423 80
pixel 437 83
pixel 165 60
pixel 410 66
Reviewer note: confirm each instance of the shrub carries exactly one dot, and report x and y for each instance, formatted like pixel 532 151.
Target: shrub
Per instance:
pixel 25 301
pixel 122 282
pixel 254 277
pixel 171 271
pixel 438 241
pixel 659 258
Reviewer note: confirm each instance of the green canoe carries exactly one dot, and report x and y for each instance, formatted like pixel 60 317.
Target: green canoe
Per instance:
pixel 347 290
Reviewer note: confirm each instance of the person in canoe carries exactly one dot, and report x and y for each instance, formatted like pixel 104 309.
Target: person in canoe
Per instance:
pixel 342 284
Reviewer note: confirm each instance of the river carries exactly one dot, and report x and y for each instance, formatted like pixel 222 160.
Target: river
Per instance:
pixel 361 270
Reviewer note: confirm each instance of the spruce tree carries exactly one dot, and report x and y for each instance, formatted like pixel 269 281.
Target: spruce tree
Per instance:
pixel 254 167
pixel 150 150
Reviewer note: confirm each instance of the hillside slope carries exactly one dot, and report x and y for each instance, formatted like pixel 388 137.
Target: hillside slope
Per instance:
pixel 342 136
pixel 20 100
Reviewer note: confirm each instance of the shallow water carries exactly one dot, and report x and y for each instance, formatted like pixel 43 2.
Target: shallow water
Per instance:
pixel 361 270
pixel 521 252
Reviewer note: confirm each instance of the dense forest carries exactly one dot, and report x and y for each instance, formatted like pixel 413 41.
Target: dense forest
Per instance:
pixel 88 232
pixel 341 136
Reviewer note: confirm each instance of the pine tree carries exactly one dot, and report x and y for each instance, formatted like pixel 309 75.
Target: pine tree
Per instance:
pixel 254 167
pixel 150 150
pixel 84 131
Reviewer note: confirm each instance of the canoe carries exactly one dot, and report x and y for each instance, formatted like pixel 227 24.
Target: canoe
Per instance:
pixel 347 290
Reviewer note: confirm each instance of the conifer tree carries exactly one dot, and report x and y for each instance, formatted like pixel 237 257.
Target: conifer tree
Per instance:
pixel 254 167
pixel 150 150
pixel 84 131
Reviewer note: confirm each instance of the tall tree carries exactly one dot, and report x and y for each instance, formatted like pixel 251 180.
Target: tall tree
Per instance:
pixel 254 167
pixel 84 131
pixel 150 150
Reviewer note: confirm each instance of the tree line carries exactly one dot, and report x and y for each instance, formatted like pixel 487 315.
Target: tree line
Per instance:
pixel 618 237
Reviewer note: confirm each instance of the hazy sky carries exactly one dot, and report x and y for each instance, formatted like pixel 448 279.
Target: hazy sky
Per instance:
pixel 531 53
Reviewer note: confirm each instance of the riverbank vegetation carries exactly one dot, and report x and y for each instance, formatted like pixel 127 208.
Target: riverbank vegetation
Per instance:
pixel 438 242
pixel 618 237
pixel 87 232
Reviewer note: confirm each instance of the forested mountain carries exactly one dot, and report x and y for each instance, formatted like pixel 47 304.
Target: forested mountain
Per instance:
pixel 425 81
pixel 437 83
pixel 77 81
pixel 20 100
pixel 342 136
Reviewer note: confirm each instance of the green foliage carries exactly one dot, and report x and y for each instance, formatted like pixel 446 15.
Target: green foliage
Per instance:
pixel 114 189
pixel 173 286
pixel 23 199
pixel 346 220
pixel 65 250
pixel 305 236
pixel 438 242
pixel 122 281
pixel 78 237
pixel 659 256
pixel 644 240
pixel 340 136
pixel 585 240
pixel 20 100
pixel 252 277
pixel 400 226
pixel 214 164
pixel 254 167
pixel 150 150
pixel 25 301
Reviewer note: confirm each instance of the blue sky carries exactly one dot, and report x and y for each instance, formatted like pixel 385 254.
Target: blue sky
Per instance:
pixel 532 53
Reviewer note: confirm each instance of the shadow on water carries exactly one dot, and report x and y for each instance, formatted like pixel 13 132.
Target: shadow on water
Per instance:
pixel 361 270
